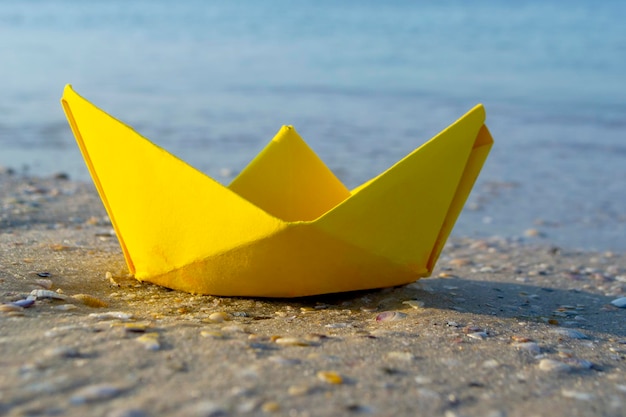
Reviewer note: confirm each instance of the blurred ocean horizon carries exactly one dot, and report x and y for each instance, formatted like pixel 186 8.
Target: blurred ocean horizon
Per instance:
pixel 363 82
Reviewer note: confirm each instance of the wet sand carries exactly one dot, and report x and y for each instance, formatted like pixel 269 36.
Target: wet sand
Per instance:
pixel 503 328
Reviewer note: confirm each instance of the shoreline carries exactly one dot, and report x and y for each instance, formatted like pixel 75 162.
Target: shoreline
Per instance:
pixel 485 215
pixel 503 328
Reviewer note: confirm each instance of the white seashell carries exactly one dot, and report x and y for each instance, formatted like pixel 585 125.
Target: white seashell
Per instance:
pixel 550 365
pixel 40 294
pixel 112 315
pixel 414 303
pixel 619 302
pixel 477 335
pixel 390 316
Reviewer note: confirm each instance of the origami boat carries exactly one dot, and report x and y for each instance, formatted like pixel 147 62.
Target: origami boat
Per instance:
pixel 286 226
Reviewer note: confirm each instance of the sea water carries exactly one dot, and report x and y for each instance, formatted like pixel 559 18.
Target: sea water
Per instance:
pixel 364 83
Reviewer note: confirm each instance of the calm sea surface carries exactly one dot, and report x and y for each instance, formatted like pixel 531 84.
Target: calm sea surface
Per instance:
pixel 364 82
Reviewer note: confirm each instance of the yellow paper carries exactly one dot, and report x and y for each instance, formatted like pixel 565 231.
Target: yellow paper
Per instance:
pixel 286 226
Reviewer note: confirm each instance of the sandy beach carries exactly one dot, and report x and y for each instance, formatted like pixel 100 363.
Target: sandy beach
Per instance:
pixel 503 328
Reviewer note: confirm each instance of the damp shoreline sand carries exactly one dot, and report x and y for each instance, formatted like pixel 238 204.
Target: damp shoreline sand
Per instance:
pixel 503 328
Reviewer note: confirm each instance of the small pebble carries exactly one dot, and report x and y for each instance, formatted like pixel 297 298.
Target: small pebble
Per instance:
pixel 402 356
pixel 150 341
pixel 293 341
pixel 571 333
pixel 212 334
pixel 471 329
pixel 477 335
pixel 298 390
pixel 551 365
pixel 564 353
pixel 460 262
pixel 109 277
pixel 219 317
pixel 330 377
pixel 59 247
pixel 270 407
pixel 93 393
pixel 619 302
pixel 44 283
pixel 577 395
pixel 339 325
pixel 206 408
pixel 112 315
pixel 414 304
pixel 247 405
pixel 233 329
pixel 432 396
pixel 65 307
pixel 520 339
pixel 491 364
pixel 423 380
pixel 530 347
pixel 281 360
pixel 138 327
pixel 579 363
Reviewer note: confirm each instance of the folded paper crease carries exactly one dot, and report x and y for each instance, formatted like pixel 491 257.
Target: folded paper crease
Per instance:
pixel 286 226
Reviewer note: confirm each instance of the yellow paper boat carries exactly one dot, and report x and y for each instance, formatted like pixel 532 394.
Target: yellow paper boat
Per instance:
pixel 286 226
